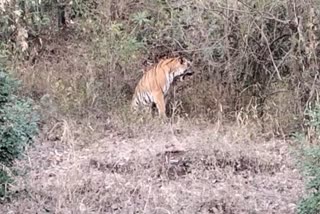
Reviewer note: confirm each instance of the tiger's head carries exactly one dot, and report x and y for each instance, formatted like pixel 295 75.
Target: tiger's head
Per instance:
pixel 180 67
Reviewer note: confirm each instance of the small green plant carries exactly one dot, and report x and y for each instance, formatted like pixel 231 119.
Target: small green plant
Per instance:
pixel 310 161
pixel 3 53
pixel 313 114
pixel 141 18
pixel 311 165
pixel 5 179
pixel 8 86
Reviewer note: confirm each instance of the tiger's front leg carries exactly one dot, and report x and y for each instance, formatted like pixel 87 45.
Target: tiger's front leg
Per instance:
pixel 160 103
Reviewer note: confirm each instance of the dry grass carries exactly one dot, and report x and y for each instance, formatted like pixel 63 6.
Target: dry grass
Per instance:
pixel 188 167
pixel 247 56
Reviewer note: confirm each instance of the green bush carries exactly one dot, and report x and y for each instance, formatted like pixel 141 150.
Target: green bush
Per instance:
pixel 310 160
pixel 311 163
pixel 18 121
pixel 18 124
pixel 8 86
pixel 5 179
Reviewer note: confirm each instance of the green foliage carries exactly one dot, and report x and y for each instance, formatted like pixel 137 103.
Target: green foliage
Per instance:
pixel 18 121
pixel 128 47
pixel 82 8
pixel 35 14
pixel 18 124
pixel 311 164
pixel 314 117
pixel 3 53
pixel 310 160
pixel 8 86
pixel 117 43
pixel 310 205
pixel 141 18
pixel 5 179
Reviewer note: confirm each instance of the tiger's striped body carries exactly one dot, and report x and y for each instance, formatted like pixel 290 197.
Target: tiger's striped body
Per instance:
pixel 155 83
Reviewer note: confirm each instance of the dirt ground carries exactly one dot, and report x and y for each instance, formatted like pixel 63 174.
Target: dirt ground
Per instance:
pixel 161 169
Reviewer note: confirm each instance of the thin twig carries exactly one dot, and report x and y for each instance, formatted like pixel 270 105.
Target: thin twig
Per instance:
pixel 270 52
pixel 264 14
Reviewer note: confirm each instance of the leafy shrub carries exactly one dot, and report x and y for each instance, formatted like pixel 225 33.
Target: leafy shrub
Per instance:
pixel 313 115
pixel 8 87
pixel 5 179
pixel 18 124
pixel 311 160
pixel 18 121
pixel 311 165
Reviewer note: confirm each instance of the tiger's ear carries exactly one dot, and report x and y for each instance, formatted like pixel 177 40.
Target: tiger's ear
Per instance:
pixel 181 59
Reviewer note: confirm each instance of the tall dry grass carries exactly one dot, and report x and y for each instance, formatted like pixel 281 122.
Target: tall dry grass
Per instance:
pixel 254 60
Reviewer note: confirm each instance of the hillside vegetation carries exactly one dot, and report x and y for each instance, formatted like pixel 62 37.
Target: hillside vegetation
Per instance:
pixel 253 59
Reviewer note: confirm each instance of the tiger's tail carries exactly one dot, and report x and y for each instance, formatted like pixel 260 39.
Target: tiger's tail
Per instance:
pixel 134 103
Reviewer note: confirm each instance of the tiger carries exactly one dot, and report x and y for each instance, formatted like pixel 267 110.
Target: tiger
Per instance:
pixel 154 85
